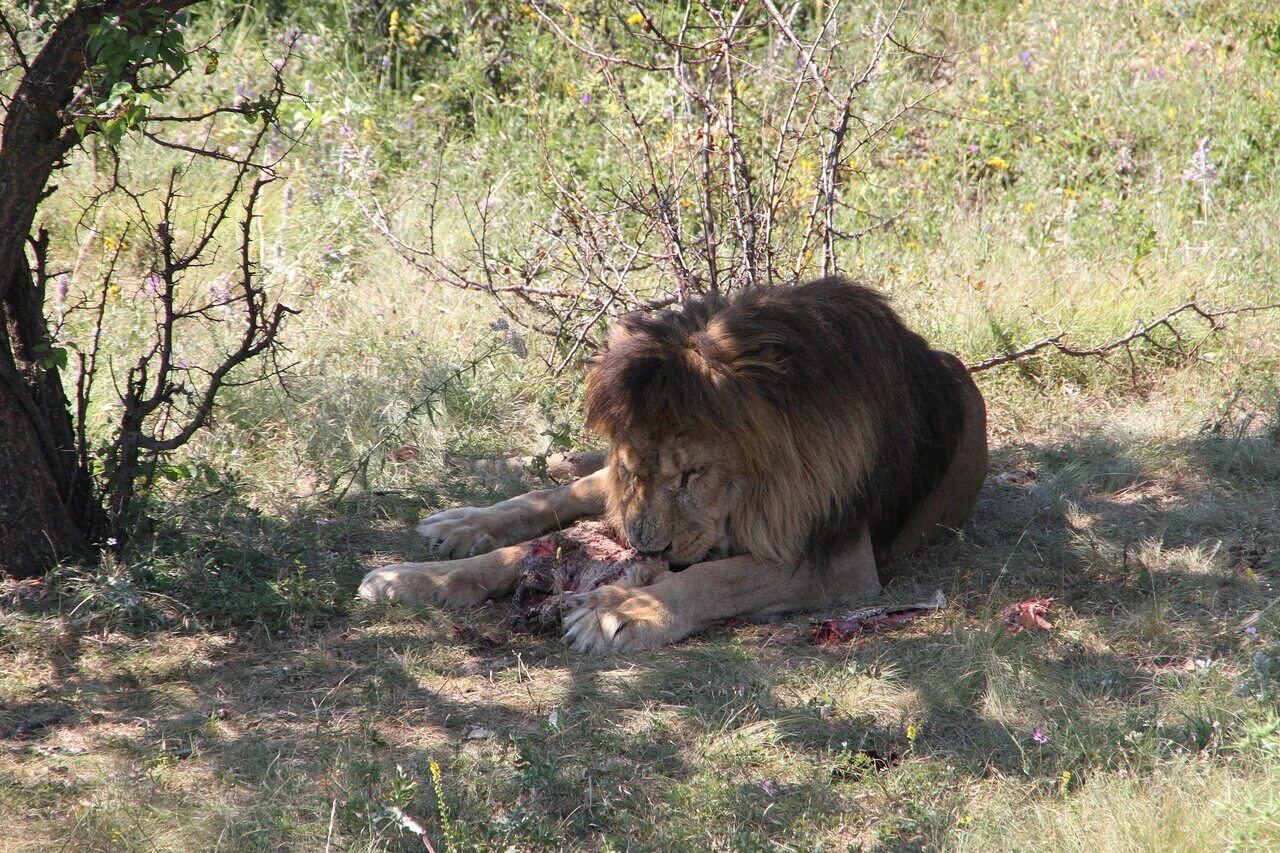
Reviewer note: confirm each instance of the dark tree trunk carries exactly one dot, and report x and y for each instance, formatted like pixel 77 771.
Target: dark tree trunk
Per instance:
pixel 42 513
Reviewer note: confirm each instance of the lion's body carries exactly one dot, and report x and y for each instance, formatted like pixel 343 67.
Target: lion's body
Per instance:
pixel 784 445
pixel 834 413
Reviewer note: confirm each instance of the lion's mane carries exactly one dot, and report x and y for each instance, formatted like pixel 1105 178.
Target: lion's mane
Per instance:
pixel 836 414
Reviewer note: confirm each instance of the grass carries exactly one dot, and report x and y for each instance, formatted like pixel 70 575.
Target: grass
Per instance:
pixel 218 688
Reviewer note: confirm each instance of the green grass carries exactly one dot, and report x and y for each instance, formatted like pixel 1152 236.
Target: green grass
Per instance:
pixel 219 689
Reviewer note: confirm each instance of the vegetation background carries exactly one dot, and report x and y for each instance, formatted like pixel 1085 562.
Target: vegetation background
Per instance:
pixel 1081 167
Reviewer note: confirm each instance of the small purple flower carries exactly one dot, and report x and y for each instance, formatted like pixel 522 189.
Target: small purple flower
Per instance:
pixel 1251 630
pixel 586 97
pixel 1039 736
pixel 181 364
pixel 386 62
pixel 973 149
pixel 1155 74
pixel 1201 171
pixel 62 288
pixel 243 91
pixel 1025 56
pixel 277 64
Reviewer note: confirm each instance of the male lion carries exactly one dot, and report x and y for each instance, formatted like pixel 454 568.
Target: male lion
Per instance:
pixel 781 445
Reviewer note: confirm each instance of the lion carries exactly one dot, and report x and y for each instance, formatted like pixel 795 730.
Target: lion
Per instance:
pixel 779 449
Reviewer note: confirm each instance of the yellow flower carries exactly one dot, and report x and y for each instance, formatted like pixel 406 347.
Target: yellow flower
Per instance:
pixel 686 203
pixel 983 98
pixel 998 163
pixel 570 90
pixel 912 731
pixel 1066 778
pixel 636 19
pixel 1028 207
pixel 911 246
pixel 966 820
pixel 1249 573
pixel 1037 138
pixel 113 292
pixel 393 24
pixel 368 125
pixel 1171 113
pixel 984 54
pixel 1069 193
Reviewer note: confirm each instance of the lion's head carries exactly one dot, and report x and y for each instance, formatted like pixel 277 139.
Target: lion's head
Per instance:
pixel 673 493
pixel 717 414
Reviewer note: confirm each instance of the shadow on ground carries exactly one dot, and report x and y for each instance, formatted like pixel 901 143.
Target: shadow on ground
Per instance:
pixel 327 720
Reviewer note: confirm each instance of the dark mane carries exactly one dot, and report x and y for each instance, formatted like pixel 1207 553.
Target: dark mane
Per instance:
pixel 788 376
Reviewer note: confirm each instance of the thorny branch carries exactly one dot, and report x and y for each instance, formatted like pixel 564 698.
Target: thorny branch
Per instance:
pixel 733 168
pixel 163 400
pixel 1143 332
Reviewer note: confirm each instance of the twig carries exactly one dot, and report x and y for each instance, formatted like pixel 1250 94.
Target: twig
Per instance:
pixel 1142 333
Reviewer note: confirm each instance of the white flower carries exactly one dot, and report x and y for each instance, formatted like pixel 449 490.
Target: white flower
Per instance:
pixel 111 540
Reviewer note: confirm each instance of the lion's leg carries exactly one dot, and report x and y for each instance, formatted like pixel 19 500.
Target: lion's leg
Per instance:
pixel 949 505
pixel 469 531
pixel 679 604
pixel 457 583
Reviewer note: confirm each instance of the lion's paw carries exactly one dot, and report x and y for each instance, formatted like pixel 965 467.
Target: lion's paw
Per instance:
pixel 462 532
pixel 621 619
pixel 416 584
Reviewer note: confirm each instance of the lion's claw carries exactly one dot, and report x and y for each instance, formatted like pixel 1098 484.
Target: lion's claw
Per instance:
pixel 620 619
pixel 458 533
pixel 416 584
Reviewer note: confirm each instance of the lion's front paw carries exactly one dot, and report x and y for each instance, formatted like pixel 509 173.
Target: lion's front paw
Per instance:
pixel 415 584
pixel 621 619
pixel 462 532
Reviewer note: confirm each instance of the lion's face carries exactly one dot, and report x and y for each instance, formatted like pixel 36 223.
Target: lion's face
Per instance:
pixel 672 495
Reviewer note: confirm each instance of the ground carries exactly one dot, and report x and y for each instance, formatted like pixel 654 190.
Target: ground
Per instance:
pixel 1140 721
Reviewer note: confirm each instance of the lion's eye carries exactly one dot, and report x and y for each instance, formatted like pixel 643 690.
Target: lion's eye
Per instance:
pixel 689 473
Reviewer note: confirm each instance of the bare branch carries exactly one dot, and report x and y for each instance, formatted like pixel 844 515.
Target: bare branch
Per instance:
pixel 1144 332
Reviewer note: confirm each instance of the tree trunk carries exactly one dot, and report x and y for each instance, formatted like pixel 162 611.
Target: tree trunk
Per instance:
pixel 38 527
